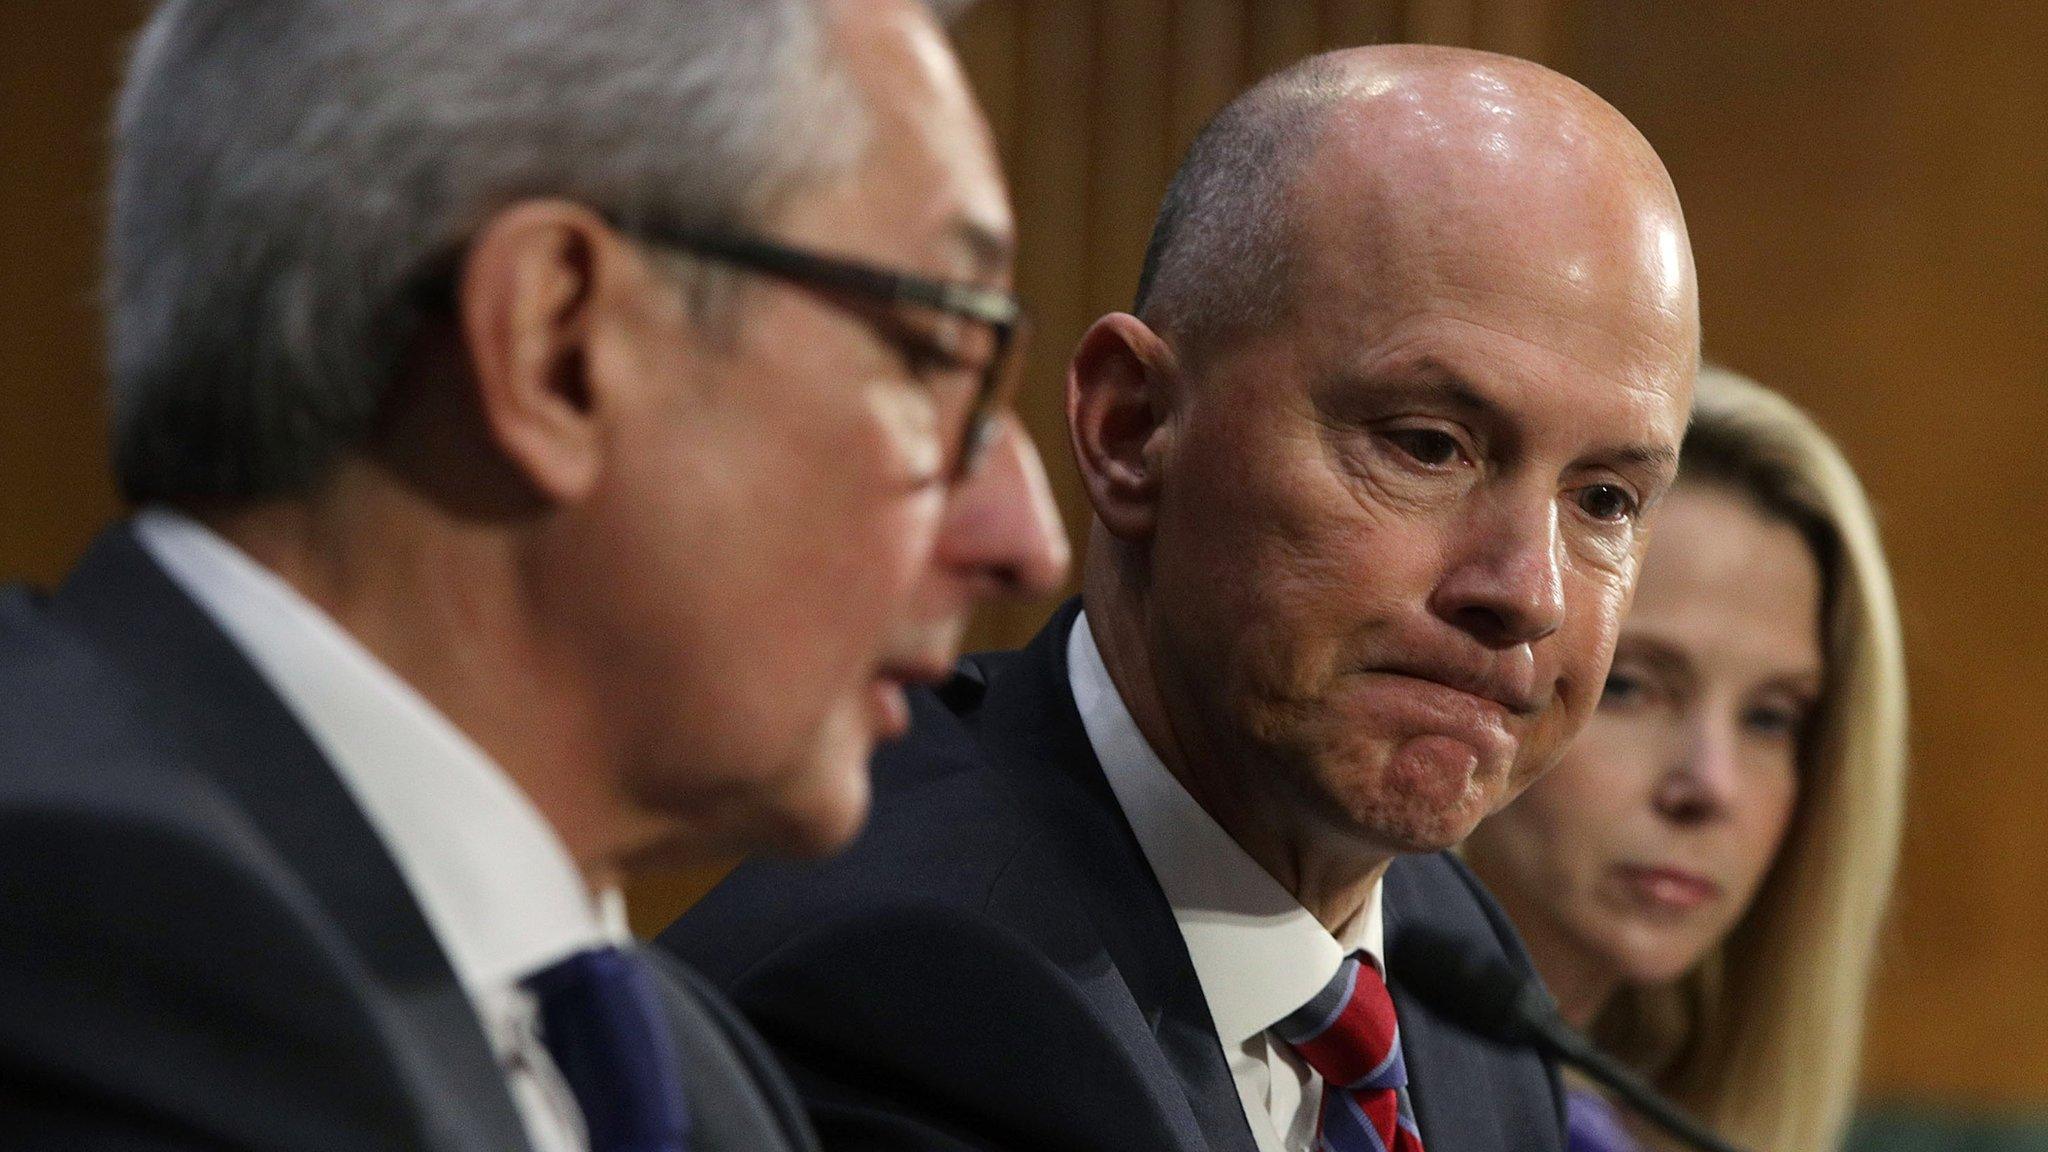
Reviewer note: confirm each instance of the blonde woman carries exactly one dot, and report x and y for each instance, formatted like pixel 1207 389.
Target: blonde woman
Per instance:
pixel 1701 878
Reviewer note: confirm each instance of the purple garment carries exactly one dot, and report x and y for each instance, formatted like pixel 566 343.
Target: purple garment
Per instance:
pixel 1592 1124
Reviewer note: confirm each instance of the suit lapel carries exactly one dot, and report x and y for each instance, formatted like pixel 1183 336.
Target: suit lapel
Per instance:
pixel 233 728
pixel 1435 1054
pixel 1031 726
pixel 1417 1033
pixel 739 1101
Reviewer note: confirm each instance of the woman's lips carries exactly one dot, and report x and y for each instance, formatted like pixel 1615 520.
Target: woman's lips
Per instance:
pixel 1667 888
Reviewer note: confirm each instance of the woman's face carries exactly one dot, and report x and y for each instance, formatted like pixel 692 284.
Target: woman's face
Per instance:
pixel 1642 848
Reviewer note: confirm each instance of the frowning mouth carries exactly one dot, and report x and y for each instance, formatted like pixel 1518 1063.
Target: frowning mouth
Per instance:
pixel 1516 694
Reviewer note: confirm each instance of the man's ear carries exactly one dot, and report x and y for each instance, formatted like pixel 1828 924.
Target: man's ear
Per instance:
pixel 1120 389
pixel 525 296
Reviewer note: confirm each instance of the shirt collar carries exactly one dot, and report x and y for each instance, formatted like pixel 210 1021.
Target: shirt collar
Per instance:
pixel 1258 954
pixel 494 880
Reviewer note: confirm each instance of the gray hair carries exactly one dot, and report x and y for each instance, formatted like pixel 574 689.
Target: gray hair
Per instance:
pixel 291 173
pixel 1217 264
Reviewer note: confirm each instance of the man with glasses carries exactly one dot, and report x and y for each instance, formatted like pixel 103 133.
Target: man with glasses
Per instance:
pixel 1371 461
pixel 559 432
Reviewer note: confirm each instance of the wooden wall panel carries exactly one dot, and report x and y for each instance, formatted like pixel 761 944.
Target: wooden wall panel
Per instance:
pixel 1867 190
pixel 1442 21
pixel 1208 65
pixel 1516 27
pixel 1132 146
pixel 1282 31
pixel 58 64
pixel 1347 23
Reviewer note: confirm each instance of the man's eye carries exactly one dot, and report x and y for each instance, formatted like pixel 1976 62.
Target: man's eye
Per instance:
pixel 926 360
pixel 1427 446
pixel 1607 502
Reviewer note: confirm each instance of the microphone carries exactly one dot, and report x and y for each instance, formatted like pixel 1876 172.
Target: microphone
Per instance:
pixel 1484 996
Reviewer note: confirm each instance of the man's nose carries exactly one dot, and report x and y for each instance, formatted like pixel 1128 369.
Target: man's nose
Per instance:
pixel 1505 583
pixel 1002 534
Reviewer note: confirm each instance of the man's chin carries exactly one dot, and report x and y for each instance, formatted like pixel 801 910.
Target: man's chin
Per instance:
pixel 806 829
pixel 817 805
pixel 821 832
pixel 1438 838
pixel 822 811
pixel 804 811
pixel 1407 825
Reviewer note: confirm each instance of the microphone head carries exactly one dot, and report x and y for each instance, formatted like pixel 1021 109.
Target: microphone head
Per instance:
pixel 1478 993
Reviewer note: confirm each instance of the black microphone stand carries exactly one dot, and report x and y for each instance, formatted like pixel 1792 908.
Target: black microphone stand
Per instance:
pixel 1487 998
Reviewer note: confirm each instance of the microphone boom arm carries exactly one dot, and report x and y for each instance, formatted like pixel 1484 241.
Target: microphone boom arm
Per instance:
pixel 1483 996
pixel 1568 1047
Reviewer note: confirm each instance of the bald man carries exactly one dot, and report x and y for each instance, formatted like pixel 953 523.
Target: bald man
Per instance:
pixel 1371 465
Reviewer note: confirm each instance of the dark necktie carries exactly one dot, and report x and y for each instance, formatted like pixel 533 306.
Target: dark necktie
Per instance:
pixel 602 1020
pixel 1349 1035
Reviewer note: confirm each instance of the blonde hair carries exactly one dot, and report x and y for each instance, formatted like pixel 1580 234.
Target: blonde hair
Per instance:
pixel 1763 1038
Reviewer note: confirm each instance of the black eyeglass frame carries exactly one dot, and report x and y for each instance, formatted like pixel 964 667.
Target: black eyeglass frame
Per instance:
pixel 1001 311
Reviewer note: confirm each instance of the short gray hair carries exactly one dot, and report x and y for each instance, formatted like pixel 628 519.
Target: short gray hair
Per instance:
pixel 291 172
pixel 1218 261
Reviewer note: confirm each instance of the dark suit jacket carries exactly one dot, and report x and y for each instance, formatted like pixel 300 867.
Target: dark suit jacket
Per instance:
pixel 202 942
pixel 993 965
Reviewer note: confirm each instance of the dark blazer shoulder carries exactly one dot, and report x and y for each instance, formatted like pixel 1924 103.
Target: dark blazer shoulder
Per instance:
pixel 1438 890
pixel 1442 882
pixel 740 1100
pixel 917 1024
pixel 1450 1067
pixel 140 907
pixel 211 945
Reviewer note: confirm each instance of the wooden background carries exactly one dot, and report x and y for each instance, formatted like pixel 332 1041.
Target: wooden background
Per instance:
pixel 1867 187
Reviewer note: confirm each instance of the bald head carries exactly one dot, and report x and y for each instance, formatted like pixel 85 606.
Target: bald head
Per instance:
pixel 1374 468
pixel 1410 158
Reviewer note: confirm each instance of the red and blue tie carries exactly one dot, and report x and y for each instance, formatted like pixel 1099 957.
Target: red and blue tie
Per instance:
pixel 1348 1034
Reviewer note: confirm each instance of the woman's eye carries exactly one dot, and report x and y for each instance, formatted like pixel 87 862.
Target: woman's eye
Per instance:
pixel 1774 721
pixel 1622 690
pixel 1607 502
pixel 1428 446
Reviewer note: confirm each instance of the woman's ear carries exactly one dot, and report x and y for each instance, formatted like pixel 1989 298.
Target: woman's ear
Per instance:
pixel 1120 391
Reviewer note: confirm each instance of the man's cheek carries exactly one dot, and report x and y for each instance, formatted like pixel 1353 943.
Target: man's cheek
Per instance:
pixel 1595 606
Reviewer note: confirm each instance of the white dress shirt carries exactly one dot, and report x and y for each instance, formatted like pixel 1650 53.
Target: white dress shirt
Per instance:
pixel 1258 954
pixel 494 881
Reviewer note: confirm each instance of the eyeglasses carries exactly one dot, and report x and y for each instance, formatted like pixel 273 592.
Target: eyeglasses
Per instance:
pixel 986 341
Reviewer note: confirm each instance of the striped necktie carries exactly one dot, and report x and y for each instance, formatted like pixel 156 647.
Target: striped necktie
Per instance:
pixel 1348 1034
